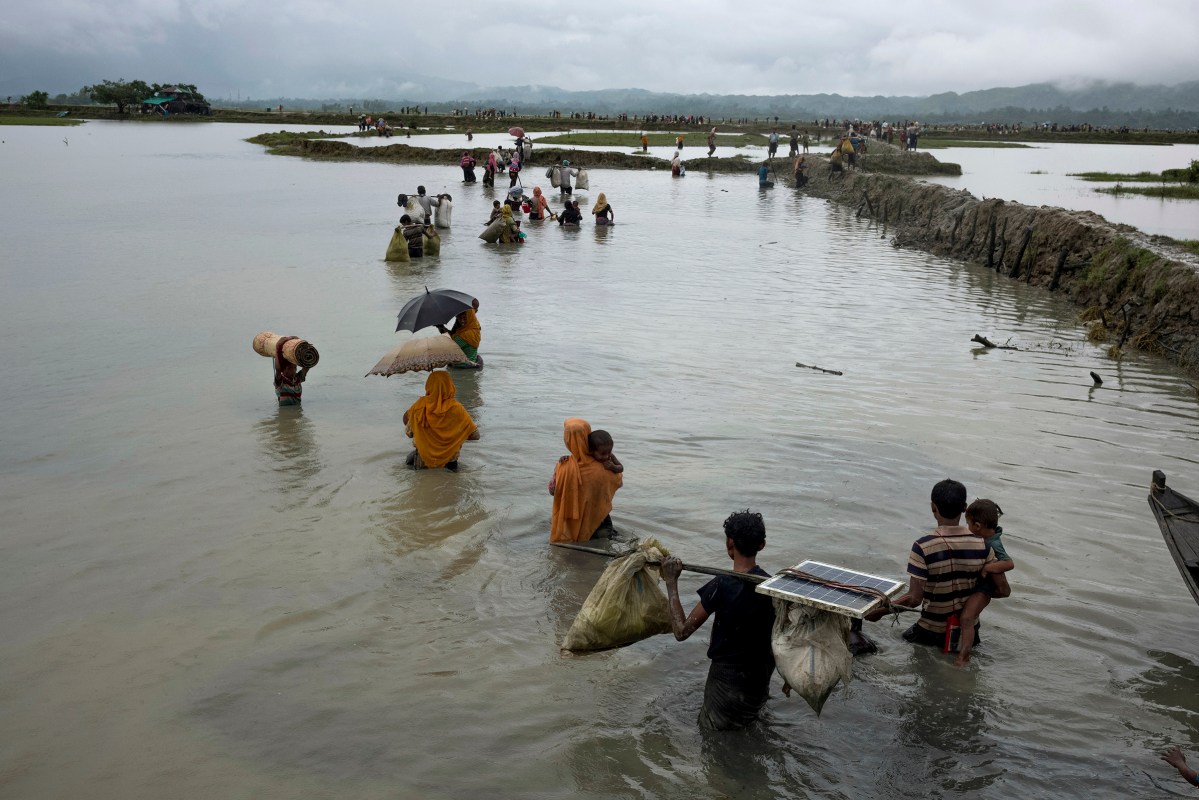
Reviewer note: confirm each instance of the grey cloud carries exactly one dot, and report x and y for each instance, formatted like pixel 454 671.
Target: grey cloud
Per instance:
pixel 313 48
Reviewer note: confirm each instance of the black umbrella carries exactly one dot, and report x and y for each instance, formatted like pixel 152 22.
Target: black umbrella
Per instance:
pixel 432 308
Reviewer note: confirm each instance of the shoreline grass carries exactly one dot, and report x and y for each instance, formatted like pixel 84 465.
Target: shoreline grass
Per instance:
pixel 694 138
pixel 44 121
pixel 929 143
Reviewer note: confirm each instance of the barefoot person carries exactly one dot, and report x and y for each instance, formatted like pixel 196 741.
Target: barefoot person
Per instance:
pixel 438 425
pixel 582 487
pixel 742 660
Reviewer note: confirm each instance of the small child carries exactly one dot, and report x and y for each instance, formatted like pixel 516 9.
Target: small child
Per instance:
pixel 600 444
pixel 982 517
pixel 599 447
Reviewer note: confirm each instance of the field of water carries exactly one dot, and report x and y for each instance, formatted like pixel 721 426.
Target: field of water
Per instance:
pixel 205 595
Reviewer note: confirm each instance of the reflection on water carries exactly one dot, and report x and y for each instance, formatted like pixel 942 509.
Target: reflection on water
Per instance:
pixel 1170 687
pixel 275 601
pixel 289 449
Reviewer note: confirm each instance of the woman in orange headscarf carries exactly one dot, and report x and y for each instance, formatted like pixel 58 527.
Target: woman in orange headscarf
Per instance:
pixel 539 207
pixel 438 425
pixel 582 487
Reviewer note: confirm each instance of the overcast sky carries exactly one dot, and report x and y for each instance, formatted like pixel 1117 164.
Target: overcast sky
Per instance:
pixel 373 48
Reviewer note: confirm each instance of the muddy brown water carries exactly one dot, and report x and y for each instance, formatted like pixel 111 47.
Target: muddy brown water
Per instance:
pixel 204 595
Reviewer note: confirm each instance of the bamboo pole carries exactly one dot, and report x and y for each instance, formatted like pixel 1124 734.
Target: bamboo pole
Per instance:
pixel 689 567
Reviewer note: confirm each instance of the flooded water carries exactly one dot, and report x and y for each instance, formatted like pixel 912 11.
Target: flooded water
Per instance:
pixel 204 595
pixel 1040 175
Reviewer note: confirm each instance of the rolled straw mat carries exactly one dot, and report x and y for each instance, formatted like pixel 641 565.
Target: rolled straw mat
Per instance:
pixel 297 351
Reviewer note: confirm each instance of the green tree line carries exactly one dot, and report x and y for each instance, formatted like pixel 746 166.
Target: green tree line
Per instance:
pixel 121 93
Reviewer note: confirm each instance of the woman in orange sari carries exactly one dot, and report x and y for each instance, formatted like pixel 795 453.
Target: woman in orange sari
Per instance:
pixel 438 425
pixel 582 487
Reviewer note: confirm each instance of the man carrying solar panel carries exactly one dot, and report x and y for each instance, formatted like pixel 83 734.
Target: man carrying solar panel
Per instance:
pixel 742 659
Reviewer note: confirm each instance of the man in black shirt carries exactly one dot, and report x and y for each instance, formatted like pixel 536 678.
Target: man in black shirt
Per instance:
pixel 742 661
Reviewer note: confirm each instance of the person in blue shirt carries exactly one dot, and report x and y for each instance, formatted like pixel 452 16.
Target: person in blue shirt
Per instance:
pixel 764 176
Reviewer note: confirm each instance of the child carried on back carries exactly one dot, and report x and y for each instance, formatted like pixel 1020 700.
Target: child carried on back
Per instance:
pixel 600 445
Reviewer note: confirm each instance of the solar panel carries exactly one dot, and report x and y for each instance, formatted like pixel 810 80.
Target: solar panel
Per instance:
pixel 831 598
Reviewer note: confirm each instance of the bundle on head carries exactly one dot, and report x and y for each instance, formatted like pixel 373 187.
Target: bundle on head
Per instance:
pixel 295 350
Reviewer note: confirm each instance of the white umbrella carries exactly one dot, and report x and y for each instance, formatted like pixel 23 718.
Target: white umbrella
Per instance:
pixel 416 355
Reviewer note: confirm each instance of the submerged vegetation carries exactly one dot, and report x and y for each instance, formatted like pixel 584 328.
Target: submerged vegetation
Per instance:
pixel 1178 184
pixel 1170 191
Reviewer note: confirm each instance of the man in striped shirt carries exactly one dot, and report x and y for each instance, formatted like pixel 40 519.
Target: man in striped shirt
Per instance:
pixel 944 566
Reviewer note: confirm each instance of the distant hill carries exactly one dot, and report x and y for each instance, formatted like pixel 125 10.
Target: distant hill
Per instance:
pixel 1100 103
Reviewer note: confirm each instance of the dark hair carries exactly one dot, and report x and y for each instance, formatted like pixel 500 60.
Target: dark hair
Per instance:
pixel 985 512
pixel 949 497
pixel 747 530
pixel 420 190
pixel 405 220
pixel 598 439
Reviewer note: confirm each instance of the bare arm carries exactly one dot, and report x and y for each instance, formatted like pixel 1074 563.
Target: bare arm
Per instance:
pixel 1176 759
pixel 474 436
pixel 682 627
pixel 996 567
pixel 914 597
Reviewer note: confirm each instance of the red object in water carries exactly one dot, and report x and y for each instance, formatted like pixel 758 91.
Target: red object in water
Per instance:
pixel 525 207
pixel 953 630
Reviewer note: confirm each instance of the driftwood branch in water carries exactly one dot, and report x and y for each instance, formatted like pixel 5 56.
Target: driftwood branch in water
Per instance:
pixel 820 369
pixel 985 342
pixel 1095 377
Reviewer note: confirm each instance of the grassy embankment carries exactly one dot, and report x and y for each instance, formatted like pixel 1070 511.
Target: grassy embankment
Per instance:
pixel 8 119
pixel 633 140
pixel 317 146
pixel 925 143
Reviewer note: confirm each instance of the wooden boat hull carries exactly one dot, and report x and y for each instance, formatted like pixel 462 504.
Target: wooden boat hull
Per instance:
pixel 1178 517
